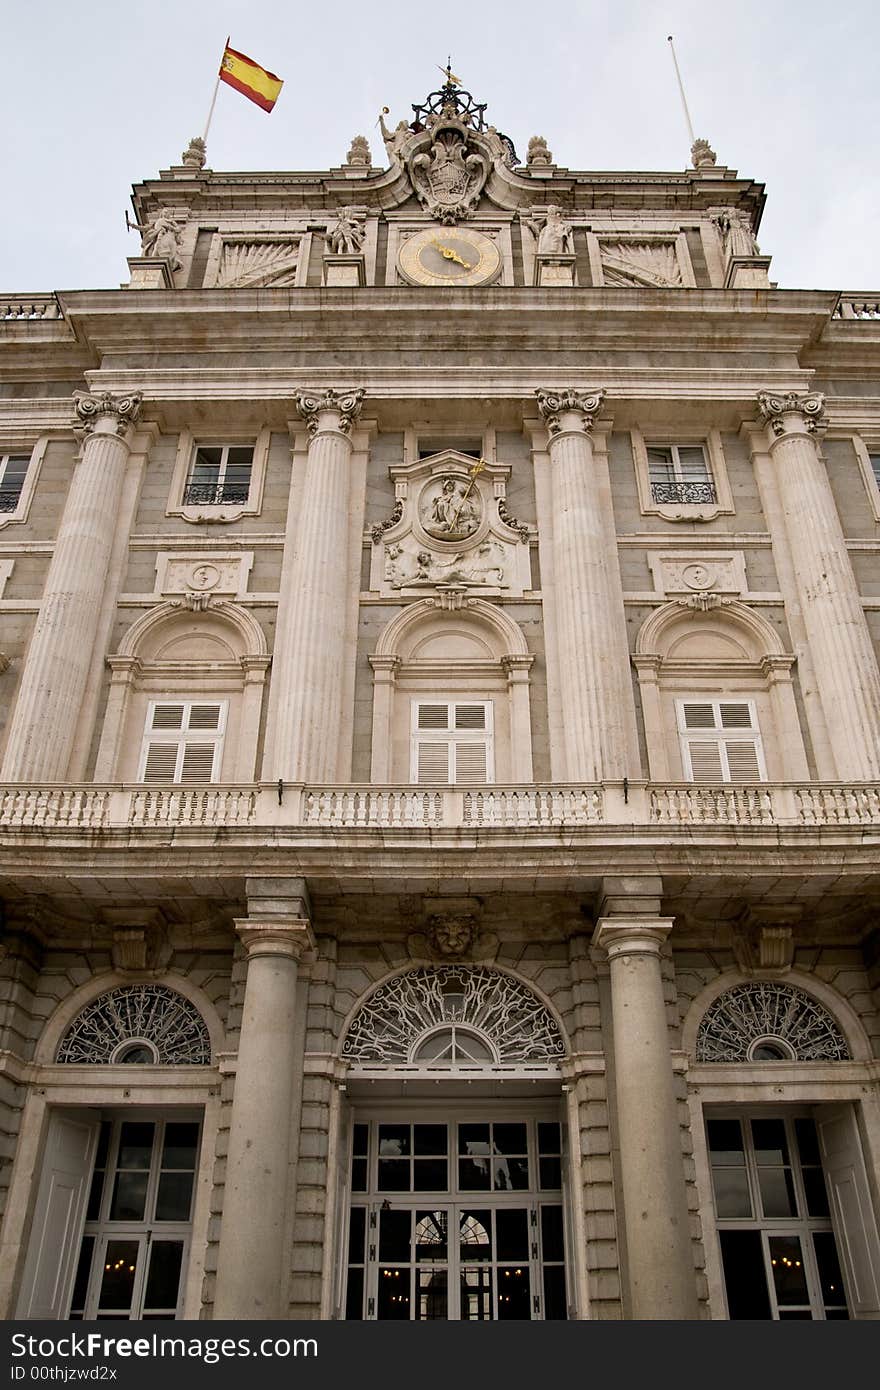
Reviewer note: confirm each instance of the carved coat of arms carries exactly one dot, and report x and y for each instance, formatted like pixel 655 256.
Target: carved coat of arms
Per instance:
pixel 448 176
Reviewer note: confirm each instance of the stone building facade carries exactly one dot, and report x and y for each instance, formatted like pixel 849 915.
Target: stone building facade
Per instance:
pixel 440 797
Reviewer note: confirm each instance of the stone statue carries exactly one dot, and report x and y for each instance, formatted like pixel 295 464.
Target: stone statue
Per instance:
pixel 538 152
pixel 735 226
pixel 160 236
pixel 395 138
pixel 346 236
pixel 359 154
pixel 555 234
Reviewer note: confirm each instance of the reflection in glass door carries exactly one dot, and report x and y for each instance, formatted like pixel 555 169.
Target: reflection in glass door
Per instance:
pixel 457 1221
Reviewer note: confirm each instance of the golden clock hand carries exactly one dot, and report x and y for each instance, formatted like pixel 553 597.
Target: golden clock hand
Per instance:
pixel 449 255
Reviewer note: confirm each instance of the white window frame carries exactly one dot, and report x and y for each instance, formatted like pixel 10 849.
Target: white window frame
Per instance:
pixel 183 736
pixel 710 442
pixel 35 453
pixel 451 736
pixel 200 512
pixel 866 450
pixel 718 735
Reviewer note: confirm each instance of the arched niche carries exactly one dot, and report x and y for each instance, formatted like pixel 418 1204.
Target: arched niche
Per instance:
pixel 722 651
pixel 451 647
pixel 178 651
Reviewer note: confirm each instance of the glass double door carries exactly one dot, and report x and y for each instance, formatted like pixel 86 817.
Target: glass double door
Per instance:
pixel 459 1221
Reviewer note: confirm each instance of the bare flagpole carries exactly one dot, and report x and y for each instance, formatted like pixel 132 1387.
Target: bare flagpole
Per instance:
pixel 687 114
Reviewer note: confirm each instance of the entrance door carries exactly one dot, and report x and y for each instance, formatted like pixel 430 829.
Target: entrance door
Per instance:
pixel 457 1221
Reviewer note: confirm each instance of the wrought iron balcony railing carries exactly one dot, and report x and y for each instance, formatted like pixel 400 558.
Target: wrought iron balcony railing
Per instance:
pixel 9 498
pixel 699 493
pixel 212 494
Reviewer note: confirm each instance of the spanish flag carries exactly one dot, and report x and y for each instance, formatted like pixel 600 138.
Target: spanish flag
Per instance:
pixel 249 78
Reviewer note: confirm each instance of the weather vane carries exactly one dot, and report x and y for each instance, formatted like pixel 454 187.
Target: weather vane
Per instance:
pixel 449 74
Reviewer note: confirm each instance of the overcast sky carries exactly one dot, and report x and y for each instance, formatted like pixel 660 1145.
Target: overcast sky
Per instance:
pixel 99 95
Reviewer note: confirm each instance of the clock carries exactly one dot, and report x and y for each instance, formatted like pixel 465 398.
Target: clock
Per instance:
pixel 449 256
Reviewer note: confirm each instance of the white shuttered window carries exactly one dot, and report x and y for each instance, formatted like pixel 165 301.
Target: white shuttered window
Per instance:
pixel 183 741
pixel 452 742
pixel 720 741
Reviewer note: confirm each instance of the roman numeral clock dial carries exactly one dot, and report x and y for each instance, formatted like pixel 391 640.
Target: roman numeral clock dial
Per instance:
pixel 449 256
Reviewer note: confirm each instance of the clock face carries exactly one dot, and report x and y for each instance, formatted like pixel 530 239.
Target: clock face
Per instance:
pixel 449 256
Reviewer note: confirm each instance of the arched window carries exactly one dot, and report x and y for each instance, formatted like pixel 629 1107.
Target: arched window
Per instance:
pixel 767 1021
pixel 138 1025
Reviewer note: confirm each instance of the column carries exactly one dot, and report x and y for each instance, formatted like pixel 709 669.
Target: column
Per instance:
pixel 596 697
pixel 315 591
pixel 251 1278
pixel 659 1255
pixel 846 670
pixel 56 669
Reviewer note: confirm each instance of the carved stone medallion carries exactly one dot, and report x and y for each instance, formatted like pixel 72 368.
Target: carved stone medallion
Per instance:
pixel 450 508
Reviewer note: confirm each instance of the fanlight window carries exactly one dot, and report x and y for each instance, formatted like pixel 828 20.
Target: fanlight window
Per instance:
pixel 765 1021
pixel 456 1016
pixel 138 1025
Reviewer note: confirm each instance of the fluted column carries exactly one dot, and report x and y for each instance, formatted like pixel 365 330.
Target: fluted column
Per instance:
pixel 659 1255
pixel 846 669
pixel 307 665
pixel 59 658
pixel 250 1268
pixel 594 682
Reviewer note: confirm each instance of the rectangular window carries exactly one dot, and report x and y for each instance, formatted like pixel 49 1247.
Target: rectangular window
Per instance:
pixel 183 741
pixel 680 473
pixel 720 741
pixel 219 473
pixel 13 470
pixel 875 467
pixel 452 742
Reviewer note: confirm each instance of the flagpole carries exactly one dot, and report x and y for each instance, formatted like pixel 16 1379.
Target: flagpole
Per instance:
pixel 687 114
pixel 214 97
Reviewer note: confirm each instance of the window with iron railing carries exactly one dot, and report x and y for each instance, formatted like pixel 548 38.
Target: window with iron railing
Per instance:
pixel 680 473
pixel 13 470
pixel 219 473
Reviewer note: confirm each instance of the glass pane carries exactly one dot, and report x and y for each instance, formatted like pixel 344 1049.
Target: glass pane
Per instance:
pixel 789 1276
pixel 239 456
pixel 432 1295
pixel 777 1192
pixel 552 1243
pixel 117 1282
pixel 476 1294
pixel 430 1175
pixel 96 1192
pixel 393 1300
pixel 432 1235
pixel 830 1276
pixel 354 1296
pixel 430 1139
pixel 731 1192
pixel 473 1174
pixel 174 1196
pixel 509 1139
pixel 474 1239
pixel 473 1139
pixel 514 1294
pixel 206 466
pixel 163 1279
pixel 103 1144
pixel 394 1233
pixel 129 1197
pixel 725 1141
pixel 815 1192
pixel 359 1175
pixel 744 1275
pixel 394 1175
pixel 807 1141
pixel 357 1233
pixel 179 1148
pixel 135 1145
pixel 550 1173
pixel 138 1055
pixel 360 1146
pixel 555 1306
pixel 393 1141
pixel 83 1270
pixel 770 1142
pixel 512 1234
pixel 510 1174
pixel 549 1138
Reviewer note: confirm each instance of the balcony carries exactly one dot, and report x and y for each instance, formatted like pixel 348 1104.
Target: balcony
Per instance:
pixel 679 806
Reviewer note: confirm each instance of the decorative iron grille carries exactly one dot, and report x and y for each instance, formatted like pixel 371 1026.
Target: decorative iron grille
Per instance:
pixel 9 498
pixel 390 1025
pixel 212 494
pixel 138 1013
pixel 698 493
pixel 768 1010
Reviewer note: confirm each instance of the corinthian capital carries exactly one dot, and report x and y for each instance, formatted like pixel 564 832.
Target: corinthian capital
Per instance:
pixel 808 410
pixel 346 405
pixel 91 408
pixel 554 404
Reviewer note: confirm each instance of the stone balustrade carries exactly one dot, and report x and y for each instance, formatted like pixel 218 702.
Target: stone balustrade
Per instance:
pixel 858 305
pixel 88 807
pixel 26 307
